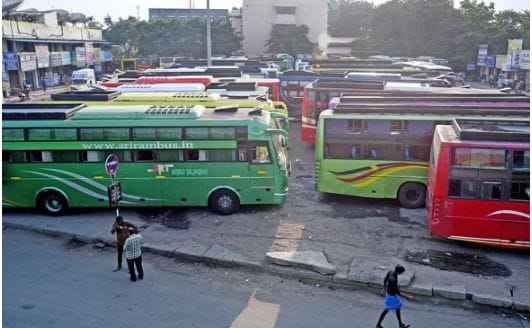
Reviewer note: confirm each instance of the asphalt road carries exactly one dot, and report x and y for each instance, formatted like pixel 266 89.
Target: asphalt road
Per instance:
pixel 50 282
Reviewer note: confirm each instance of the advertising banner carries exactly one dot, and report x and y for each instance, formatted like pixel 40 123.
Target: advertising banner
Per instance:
pixel 28 61
pixel 106 55
pixel 73 58
pixel 470 67
pixel 43 56
pixel 66 58
pixel 525 59
pixel 10 61
pixel 482 52
pixel 97 54
pixel 81 59
pixel 514 44
pixel 89 53
pixel 55 58
pixel 500 60
pixel 489 61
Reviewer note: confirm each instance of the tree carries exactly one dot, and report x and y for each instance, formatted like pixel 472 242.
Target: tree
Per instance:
pixel 348 18
pixel 173 37
pixel 289 39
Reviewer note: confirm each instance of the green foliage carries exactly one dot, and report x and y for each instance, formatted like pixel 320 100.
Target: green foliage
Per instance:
pixel 289 39
pixel 172 37
pixel 428 27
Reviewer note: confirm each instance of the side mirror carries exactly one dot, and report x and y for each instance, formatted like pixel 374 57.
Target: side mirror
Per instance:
pixel 283 141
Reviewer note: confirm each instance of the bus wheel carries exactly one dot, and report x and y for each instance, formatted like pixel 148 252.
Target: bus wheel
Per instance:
pixel 224 202
pixel 53 203
pixel 412 195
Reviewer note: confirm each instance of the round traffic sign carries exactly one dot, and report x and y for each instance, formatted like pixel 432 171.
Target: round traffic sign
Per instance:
pixel 111 164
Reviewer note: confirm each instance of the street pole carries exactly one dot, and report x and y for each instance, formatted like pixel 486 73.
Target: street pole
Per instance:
pixel 19 66
pixel 209 62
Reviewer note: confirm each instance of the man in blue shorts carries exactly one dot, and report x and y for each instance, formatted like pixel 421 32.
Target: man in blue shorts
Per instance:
pixel 392 299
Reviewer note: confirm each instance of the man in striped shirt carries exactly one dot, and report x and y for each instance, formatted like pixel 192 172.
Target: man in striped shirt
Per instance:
pixel 133 254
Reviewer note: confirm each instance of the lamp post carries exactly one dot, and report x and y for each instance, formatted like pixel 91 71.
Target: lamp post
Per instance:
pixel 209 62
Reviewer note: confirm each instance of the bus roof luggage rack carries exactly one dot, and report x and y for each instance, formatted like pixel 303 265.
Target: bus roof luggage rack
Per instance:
pixel 492 130
pixel 228 108
pixel 86 95
pixel 13 112
pixel 401 109
pixel 233 86
pixel 370 85
pixel 428 97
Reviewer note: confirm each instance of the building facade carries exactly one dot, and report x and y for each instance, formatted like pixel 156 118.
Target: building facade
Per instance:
pixel 184 13
pixel 45 50
pixel 258 16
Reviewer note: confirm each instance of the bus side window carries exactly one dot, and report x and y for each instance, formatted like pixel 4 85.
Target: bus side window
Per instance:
pixel 521 160
pixel 195 155
pixel 260 154
pixel 13 156
pixel 491 190
pixel 144 155
pixel 462 188
pixel 40 156
pixel 520 190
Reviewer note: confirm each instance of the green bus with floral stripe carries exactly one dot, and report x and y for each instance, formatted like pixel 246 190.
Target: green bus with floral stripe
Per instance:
pixel 53 156
pixel 384 152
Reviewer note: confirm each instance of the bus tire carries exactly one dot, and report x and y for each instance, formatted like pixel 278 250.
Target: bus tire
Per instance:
pixel 412 195
pixel 52 203
pixel 224 202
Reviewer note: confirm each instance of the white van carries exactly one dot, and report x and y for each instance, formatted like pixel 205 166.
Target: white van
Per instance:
pixel 83 78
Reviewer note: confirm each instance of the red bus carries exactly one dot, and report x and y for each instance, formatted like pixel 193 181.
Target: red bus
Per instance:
pixel 318 95
pixel 147 79
pixel 478 182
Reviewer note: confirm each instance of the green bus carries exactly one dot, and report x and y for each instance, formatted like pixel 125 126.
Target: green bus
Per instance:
pixel 384 152
pixel 278 110
pixel 53 156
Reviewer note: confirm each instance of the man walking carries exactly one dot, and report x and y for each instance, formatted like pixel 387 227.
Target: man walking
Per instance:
pixel 121 228
pixel 392 301
pixel 133 254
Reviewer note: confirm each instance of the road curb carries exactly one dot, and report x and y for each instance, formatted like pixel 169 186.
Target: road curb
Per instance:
pixel 191 251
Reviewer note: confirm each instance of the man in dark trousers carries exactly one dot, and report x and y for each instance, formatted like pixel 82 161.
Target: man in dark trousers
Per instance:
pixel 132 247
pixel 121 228
pixel 392 299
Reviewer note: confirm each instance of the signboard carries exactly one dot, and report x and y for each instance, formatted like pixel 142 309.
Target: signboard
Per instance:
pixel 514 44
pixel 73 58
pixel 55 58
pixel 525 59
pixel 28 61
pixel 10 61
pixel 482 52
pixel 470 67
pixel 111 164
pixel 43 56
pixel 106 55
pixel 114 191
pixel 81 59
pixel 516 59
pixel 65 58
pixel 89 53
pixel 500 60
pixel 24 16
pixel 98 54
pixel 489 60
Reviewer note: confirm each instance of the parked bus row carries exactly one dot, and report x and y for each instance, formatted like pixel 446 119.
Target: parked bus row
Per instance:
pixel 53 156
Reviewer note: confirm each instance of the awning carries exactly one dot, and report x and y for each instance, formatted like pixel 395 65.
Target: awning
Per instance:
pixel 59 41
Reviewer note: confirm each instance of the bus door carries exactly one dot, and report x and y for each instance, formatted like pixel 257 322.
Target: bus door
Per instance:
pixel 261 172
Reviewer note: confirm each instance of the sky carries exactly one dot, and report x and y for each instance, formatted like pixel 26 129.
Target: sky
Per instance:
pixel 124 8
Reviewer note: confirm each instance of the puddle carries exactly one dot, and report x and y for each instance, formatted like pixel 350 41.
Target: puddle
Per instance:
pixel 74 243
pixel 453 261
pixel 170 218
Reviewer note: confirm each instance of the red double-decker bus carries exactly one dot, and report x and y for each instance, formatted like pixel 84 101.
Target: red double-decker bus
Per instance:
pixel 478 182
